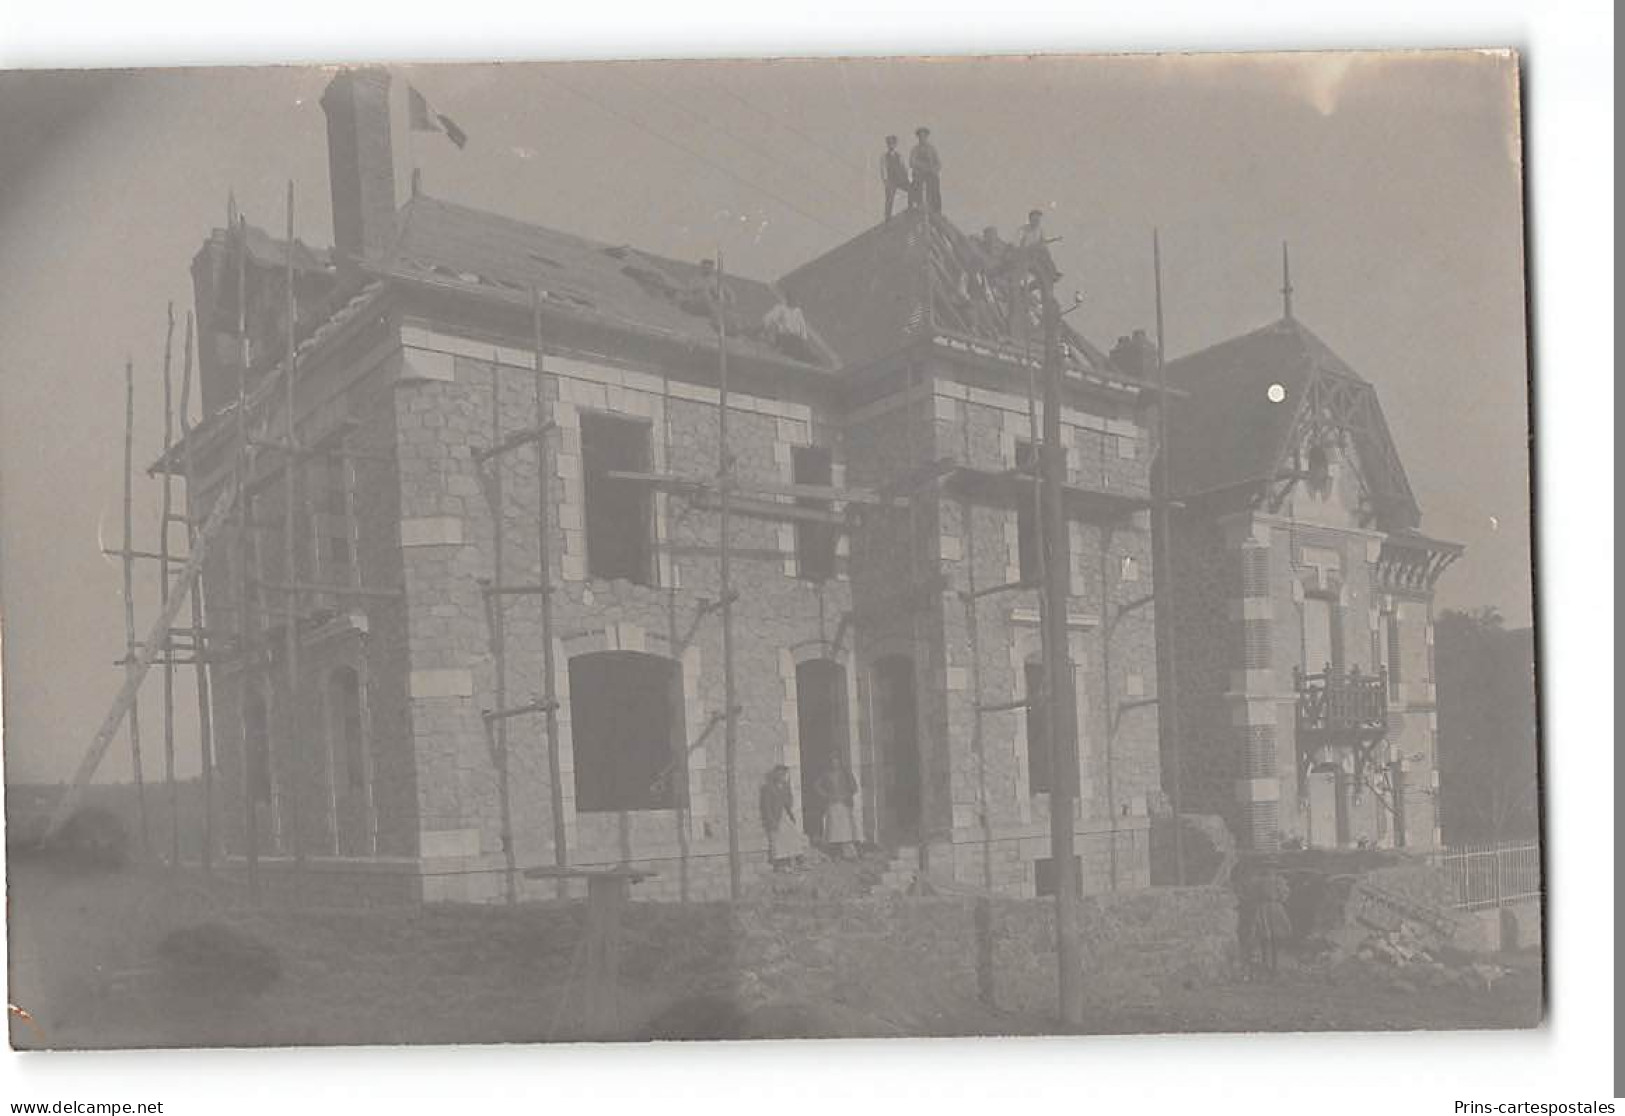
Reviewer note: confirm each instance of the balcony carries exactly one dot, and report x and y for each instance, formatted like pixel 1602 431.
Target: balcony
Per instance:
pixel 1341 704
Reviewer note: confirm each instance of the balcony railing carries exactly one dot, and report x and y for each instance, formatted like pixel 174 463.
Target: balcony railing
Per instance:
pixel 1342 702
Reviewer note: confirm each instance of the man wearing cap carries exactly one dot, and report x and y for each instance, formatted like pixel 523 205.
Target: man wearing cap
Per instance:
pixel 893 174
pixel 1035 247
pixel 927 167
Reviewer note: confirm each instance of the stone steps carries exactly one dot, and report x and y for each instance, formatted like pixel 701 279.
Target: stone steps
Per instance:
pixel 901 872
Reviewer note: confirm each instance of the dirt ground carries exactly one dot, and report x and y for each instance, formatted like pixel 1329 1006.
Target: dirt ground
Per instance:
pixel 1347 998
pixel 84 967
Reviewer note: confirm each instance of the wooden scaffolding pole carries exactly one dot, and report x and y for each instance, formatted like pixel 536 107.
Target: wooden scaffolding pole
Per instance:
pixel 496 721
pixel 494 591
pixel 129 596
pixel 683 814
pixel 973 638
pixel 1110 710
pixel 918 373
pixel 168 511
pixel 200 641
pixel 129 599
pixel 1163 579
pixel 243 466
pixel 293 721
pixel 730 729
pixel 1058 672
pixel 544 550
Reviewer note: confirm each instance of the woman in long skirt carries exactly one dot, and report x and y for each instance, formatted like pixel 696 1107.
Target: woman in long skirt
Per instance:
pixel 838 789
pixel 785 843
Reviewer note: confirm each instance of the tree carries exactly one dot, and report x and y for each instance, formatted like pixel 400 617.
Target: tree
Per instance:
pixel 1488 743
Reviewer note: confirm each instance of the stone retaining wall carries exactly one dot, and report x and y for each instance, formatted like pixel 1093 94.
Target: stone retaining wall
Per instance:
pixel 1000 951
pixel 923 961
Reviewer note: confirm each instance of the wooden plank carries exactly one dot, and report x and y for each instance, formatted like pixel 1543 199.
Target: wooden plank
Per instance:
pixel 767 509
pixel 334 590
pixel 761 488
pixel 512 441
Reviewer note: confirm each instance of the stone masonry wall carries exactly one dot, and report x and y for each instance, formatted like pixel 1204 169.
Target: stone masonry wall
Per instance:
pixel 1111 630
pixel 893 597
pixel 1244 580
pixel 447 532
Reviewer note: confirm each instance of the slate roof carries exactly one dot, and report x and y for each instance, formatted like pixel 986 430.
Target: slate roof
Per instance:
pixel 867 297
pixel 617 285
pixel 1226 431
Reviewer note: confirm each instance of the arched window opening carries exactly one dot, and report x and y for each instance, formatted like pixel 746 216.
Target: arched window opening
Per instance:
pixel 625 717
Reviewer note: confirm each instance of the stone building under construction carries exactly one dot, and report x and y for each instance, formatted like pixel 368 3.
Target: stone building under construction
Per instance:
pixel 500 643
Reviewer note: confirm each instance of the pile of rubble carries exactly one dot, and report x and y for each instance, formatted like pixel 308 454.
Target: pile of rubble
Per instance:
pixel 1410 963
pixel 819 876
pixel 1392 925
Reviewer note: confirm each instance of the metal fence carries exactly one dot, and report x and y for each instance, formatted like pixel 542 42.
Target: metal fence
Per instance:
pixel 1487 876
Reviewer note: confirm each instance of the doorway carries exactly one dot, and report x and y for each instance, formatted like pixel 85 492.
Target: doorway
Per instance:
pixel 897 750
pixel 821 731
pixel 1326 820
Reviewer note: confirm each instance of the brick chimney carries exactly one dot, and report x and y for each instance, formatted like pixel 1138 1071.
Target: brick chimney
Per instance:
pixel 360 164
pixel 1135 354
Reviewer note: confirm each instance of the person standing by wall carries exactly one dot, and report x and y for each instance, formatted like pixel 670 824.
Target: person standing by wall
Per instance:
pixel 1264 919
pixel 785 843
pixel 837 788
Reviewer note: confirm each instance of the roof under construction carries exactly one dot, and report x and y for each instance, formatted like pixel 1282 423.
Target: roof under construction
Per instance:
pixel 614 284
pixel 917 276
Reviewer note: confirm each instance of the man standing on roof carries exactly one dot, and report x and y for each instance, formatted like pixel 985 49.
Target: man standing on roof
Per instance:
pixel 1034 246
pixel 927 167
pixel 894 175
pixel 709 297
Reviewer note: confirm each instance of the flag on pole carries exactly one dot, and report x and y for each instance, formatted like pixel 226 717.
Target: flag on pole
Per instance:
pixel 425 119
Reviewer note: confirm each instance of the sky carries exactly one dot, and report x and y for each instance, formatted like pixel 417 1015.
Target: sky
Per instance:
pixel 1395 177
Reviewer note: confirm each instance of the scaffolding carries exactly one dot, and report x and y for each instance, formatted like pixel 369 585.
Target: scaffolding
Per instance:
pixel 496 590
pixel 264 418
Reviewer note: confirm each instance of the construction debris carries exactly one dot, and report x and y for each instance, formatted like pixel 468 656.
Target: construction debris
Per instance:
pixel 1389 925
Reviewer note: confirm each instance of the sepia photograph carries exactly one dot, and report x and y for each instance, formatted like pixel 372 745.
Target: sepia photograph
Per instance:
pixel 796 548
